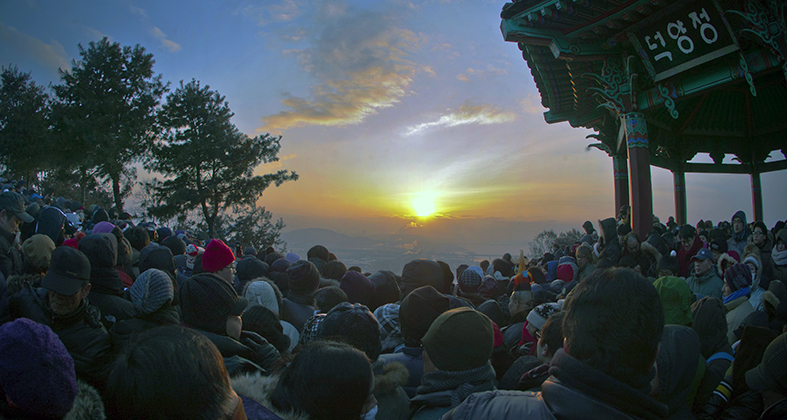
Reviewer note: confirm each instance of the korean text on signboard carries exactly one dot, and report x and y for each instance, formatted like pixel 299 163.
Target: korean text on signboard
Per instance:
pixel 689 36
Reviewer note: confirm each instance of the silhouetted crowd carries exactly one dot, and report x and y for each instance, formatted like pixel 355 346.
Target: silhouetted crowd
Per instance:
pixel 102 317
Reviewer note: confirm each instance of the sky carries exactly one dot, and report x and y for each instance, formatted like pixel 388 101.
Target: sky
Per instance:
pixel 379 104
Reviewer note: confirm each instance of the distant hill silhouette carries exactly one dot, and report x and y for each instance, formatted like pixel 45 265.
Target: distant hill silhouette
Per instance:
pixel 306 238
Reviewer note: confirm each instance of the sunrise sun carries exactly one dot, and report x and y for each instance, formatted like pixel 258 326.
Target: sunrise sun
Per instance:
pixel 423 204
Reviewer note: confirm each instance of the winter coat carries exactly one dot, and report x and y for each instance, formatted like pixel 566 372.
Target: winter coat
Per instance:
pixel 684 257
pixel 737 311
pixel 87 405
pixel 574 391
pixel 10 260
pixel 586 271
pixel 255 392
pixel 678 362
pixel 413 359
pixel 776 411
pixel 106 289
pixel 440 390
pixel 710 325
pixel 251 347
pixel 124 331
pixel 392 402
pixel 81 332
pixel 709 284
pixel 609 234
pixel 296 310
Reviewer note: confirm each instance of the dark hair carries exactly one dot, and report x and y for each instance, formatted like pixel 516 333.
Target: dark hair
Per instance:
pixel 668 262
pixel 354 324
pixel 169 372
pixel 613 323
pixel 264 322
pixel 552 332
pixel 326 380
pixel 328 297
pixel 137 237
pixel 318 251
pixel 761 225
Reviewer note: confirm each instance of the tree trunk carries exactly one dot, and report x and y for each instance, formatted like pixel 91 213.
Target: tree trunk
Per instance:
pixel 83 188
pixel 116 193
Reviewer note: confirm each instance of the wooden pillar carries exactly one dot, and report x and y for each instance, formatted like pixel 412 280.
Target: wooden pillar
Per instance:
pixel 681 210
pixel 756 193
pixel 620 170
pixel 639 173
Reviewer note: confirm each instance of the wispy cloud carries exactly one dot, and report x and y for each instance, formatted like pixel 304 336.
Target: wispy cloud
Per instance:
pixel 154 30
pixel 465 114
pixel 490 70
pixel 361 62
pixel 52 55
pixel 284 11
pixel 95 33
pixel 531 104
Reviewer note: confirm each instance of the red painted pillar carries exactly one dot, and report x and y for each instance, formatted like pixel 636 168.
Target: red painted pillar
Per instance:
pixel 681 208
pixel 639 173
pixel 620 170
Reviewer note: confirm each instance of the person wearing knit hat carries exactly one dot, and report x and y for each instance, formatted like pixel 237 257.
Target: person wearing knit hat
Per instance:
pixel 107 291
pixel 333 270
pixel 565 272
pixel 37 374
pixel 390 332
pixel 469 281
pixel 386 288
pixel 152 295
pixel 278 273
pixel 519 305
pixel 355 325
pixel 737 285
pixel 192 251
pixel 250 268
pixel 298 306
pixel 218 259
pixel 212 307
pixel 537 275
pixel 769 378
pixel 265 293
pixel 457 349
pixel 416 313
pixel 422 272
pixel 538 316
pixel 359 288
pixel 36 255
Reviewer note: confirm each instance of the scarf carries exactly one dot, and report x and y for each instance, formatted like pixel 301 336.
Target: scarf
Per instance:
pixel 461 383
pixel 736 294
pixel 779 257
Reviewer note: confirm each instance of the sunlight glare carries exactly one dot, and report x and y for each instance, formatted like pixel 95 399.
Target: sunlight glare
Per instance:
pixel 423 204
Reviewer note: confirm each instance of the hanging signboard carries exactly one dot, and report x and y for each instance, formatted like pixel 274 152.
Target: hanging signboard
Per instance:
pixel 688 36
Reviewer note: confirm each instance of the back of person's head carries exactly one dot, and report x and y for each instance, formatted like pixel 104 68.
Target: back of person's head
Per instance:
pixel 319 251
pixel 417 312
pixel 37 253
pixel 326 380
pixel 613 323
pixel 264 322
pixel 669 263
pixel 552 333
pixel 333 270
pixel 170 372
pixel 354 324
pixel 459 339
pixel 327 298
pixel 137 237
pixel 175 244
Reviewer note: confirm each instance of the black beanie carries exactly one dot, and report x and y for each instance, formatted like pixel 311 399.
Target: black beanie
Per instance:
pixel 417 312
pixel 304 278
pixel 354 323
pixel 175 244
pixel 460 339
pixel 206 300
pixel 250 268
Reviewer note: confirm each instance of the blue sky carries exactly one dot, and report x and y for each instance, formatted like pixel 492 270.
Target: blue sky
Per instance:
pixel 378 103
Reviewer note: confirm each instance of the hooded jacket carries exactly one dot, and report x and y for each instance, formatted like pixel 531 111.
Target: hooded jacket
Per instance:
pixel 106 290
pixel 737 311
pixel 710 324
pixel 609 234
pixel 679 362
pixel 738 240
pixel 708 284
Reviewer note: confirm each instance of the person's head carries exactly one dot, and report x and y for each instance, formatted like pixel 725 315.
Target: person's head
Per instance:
pixel 218 259
pixel 781 240
pixel 736 277
pixel 739 222
pixel 36 372
pixel 250 269
pixel 538 317
pixel 37 252
pixel 770 376
pixel 458 340
pixel 175 244
pixel 319 251
pixel 469 281
pixel 687 233
pixel 327 298
pixel 210 304
pixel 703 262
pixel 264 322
pixel 359 288
pixel 304 278
pixel 171 372
pixel 551 337
pixel 759 233
pixel 12 211
pixel 584 256
pixel 326 380
pixel 333 270
pixel 152 290
pixel 718 247
pixel 68 280
pixel 668 266
pixel 613 323
pixel 354 324
pixel 137 237
pixel 417 312
pixel 520 301
pixel 632 243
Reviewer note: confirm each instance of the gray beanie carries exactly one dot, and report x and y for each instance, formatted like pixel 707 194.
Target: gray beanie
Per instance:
pixel 151 290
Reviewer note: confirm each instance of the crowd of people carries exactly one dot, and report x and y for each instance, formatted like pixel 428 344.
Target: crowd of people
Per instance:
pixel 101 317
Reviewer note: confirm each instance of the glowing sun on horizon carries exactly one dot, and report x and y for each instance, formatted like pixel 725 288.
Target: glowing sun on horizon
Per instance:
pixel 423 204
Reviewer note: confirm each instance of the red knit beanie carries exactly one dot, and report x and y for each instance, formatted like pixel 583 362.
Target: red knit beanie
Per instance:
pixel 217 255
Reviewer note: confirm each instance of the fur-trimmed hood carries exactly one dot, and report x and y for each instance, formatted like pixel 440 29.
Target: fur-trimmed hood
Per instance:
pixel 388 377
pixel 259 388
pixel 87 404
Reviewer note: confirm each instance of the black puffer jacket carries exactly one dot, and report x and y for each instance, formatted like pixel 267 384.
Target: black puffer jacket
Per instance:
pixel 82 332
pixel 125 330
pixel 609 235
pixel 710 323
pixel 677 361
pixel 106 287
